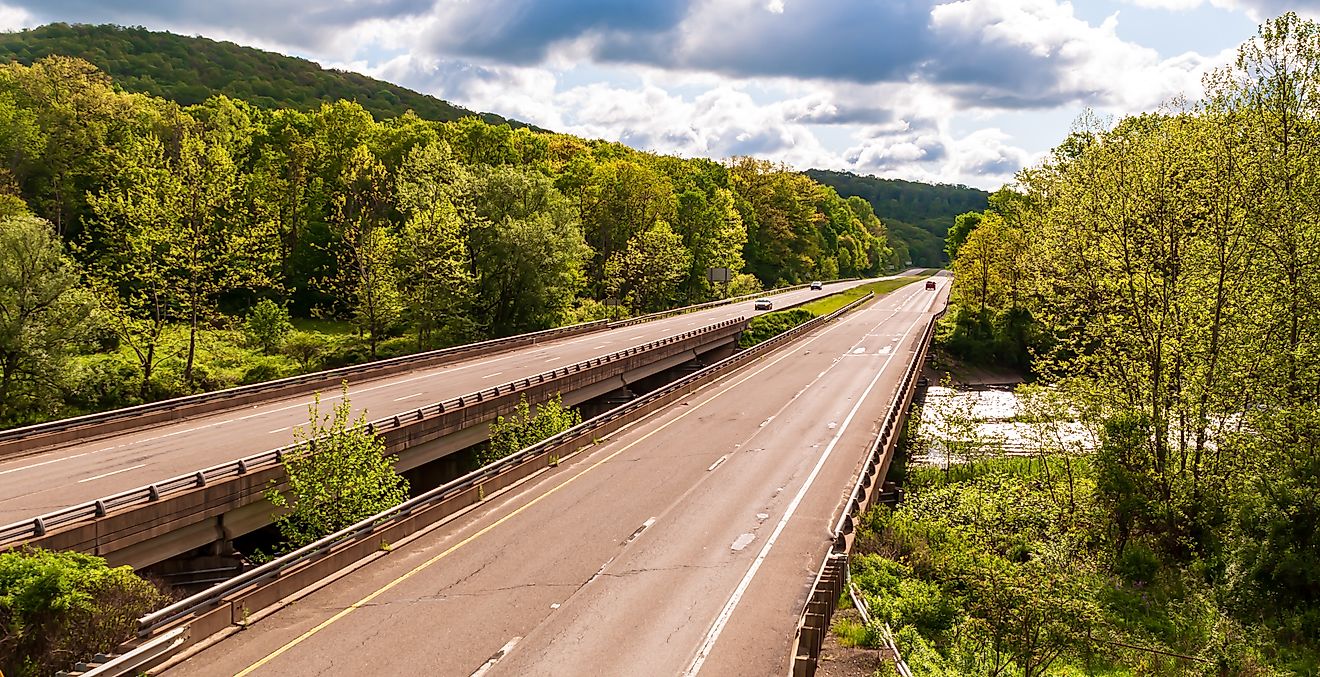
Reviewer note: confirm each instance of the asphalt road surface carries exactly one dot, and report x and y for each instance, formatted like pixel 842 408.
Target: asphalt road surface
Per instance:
pixel 81 472
pixel 684 544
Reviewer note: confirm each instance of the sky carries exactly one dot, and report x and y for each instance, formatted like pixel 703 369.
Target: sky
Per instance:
pixel 962 91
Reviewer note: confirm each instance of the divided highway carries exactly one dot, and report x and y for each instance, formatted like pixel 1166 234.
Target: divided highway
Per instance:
pixel 685 544
pixel 80 472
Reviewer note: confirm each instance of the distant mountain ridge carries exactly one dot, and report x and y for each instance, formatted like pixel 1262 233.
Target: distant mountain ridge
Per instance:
pixel 918 215
pixel 191 69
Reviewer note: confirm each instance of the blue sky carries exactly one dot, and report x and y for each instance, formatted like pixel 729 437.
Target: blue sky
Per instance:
pixel 957 91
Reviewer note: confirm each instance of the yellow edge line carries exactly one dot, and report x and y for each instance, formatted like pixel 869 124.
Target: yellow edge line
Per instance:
pixel 424 565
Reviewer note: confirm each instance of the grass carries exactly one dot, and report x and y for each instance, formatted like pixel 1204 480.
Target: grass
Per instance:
pixel 834 302
pixel 769 325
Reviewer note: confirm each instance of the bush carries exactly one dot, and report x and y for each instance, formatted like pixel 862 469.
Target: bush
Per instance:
pixel 769 325
pixel 268 325
pixel 346 478
pixel 60 607
pixel 101 382
pixel 306 348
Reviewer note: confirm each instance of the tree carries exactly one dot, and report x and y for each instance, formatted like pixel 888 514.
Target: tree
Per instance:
pixel 523 428
pixel 647 273
pixel 367 274
pixel 963 225
pixel 435 279
pixel 43 311
pixel 527 251
pixel 268 325
pixel 342 478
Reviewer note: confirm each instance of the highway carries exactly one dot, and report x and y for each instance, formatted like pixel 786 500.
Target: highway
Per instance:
pixel 684 544
pixel 81 472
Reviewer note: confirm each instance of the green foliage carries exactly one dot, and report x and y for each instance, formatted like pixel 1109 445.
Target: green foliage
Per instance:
pixel 60 607
pixel 43 313
pixel 918 215
pixel 413 232
pixel 769 325
pixel 190 70
pixel 343 478
pixel 268 325
pixel 524 427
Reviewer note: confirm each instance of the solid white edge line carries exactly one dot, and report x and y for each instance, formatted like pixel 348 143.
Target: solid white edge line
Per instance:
pixel 722 619
pixel 490 663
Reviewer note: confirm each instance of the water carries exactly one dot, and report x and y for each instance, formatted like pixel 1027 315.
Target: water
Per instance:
pixel 990 421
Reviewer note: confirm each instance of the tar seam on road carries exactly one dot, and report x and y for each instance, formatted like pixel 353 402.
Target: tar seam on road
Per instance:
pixel 428 563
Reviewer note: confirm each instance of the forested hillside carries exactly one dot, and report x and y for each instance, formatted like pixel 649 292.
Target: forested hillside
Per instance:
pixel 189 70
pixel 154 249
pixel 918 215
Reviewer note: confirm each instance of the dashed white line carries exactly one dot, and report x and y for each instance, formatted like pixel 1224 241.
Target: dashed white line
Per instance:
pixel 279 430
pixel 113 472
pixel 38 465
pixel 723 618
pixel 408 397
pixel 493 375
pixel 717 463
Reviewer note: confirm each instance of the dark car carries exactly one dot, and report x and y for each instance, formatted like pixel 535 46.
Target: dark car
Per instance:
pixel 816 286
pixel 930 284
pixel 764 304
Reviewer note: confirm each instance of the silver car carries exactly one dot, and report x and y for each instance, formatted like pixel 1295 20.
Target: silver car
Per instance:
pixel 764 304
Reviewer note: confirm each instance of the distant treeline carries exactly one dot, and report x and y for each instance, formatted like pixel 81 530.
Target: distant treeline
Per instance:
pixel 918 215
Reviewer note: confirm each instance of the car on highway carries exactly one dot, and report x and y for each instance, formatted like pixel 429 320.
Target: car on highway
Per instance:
pixel 930 284
pixel 764 304
pixel 816 286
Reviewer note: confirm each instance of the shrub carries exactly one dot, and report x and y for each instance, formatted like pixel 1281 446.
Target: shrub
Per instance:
pixel 268 325
pixel 769 325
pixel 346 478
pixel 60 607
pixel 306 348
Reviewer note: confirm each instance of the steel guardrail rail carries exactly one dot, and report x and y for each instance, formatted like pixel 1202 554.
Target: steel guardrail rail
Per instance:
pixel 366 528
pixel 814 620
pixel 716 303
pixel 34 435
pixel 14 534
pixel 219 397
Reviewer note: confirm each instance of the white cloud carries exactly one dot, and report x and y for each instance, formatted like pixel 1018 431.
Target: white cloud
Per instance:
pixel 15 18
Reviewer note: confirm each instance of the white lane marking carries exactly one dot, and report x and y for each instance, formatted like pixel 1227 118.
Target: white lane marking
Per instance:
pixel 723 619
pixel 55 460
pixel 493 375
pixel 742 542
pixel 645 525
pixel 113 472
pixel 859 351
pixel 768 420
pixel 553 359
pixel 504 651
pixel 408 397
pixel 279 430
pixel 634 338
pixel 599 346
pixel 717 462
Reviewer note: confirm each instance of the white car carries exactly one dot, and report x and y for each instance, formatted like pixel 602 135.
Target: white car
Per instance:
pixel 764 304
pixel 815 286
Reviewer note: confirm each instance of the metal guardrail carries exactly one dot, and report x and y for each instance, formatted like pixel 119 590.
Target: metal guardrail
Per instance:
pixel 19 532
pixel 18 441
pixel 337 550
pixel 716 303
pixel 813 624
